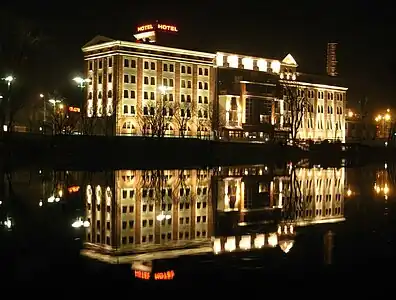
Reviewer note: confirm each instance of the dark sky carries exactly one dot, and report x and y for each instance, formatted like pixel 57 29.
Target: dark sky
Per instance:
pixel 363 29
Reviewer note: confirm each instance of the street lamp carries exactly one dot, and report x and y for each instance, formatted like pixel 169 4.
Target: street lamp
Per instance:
pixel 54 102
pixel 81 81
pixel 9 79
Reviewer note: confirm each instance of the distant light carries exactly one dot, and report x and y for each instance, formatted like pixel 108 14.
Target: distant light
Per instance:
pixel 41 95
pixel 9 79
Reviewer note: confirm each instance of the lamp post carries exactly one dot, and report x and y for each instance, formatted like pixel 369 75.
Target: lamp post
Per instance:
pixel 81 82
pixel 54 102
pixel 8 79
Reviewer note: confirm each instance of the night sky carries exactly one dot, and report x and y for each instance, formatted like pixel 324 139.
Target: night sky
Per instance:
pixel 363 29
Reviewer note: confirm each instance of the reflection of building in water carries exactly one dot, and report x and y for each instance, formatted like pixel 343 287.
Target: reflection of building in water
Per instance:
pixel 149 210
pixel 248 197
pixel 320 193
pixel 166 213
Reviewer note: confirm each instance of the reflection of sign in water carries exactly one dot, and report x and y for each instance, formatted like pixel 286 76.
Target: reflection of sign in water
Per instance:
pixel 74 109
pixel 73 189
pixel 168 275
pixel 163 27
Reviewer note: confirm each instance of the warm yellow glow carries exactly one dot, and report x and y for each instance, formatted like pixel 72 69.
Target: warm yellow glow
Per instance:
pixel 217 246
pixel 289 60
pixel 259 241
pixel 349 192
pixel 273 240
pixel 275 66
pixel 262 65
pixel 286 246
pixel 233 61
pixel 247 63
pixel 387 117
pixel 245 242
pixel 219 60
pixel 230 244
pixel 350 114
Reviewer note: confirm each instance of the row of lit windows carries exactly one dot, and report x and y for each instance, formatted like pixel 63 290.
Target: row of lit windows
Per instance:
pixel 130 193
pixel 167 67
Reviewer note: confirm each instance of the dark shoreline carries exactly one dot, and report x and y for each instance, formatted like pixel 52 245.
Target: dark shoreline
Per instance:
pixel 101 152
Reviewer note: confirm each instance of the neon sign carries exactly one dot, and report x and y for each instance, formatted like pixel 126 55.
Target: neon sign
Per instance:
pixel 74 109
pixel 163 27
pixel 168 275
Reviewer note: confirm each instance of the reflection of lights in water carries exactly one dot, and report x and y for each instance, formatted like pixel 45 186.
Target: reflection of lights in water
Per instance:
pixel 60 193
pixel 162 216
pixel 259 241
pixel 53 199
pixel 230 244
pixel 279 229
pixel 245 242
pixel 217 246
pixel 7 223
pixel 80 223
pixel 41 203
pixel 273 240
pixel 386 166
pixel 291 229
pixel 286 246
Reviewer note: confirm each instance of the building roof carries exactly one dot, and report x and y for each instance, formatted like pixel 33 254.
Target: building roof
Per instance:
pixel 320 79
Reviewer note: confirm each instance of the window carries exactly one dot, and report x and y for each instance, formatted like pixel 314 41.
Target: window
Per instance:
pixel 126 63
pixel 146 65
pixel 109 94
pixel 200 71
pixel 110 78
pixel 183 69
pixel 126 78
pixel 110 62
pixel 206 86
pixel 146 80
pixel 90 66
pixel 152 80
pixel 145 95
pixel 100 64
pixel 152 65
pixel 189 84
pixel 133 94
pixel 126 94
pixel 188 70
pixel 152 96
pixel 171 68
pixel 133 64
pixel 133 79
pixel 165 67
pixel 100 79
pixel 206 72
pixel 125 109
pixel 199 99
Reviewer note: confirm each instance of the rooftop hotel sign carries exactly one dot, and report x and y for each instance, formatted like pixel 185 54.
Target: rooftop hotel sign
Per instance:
pixel 163 27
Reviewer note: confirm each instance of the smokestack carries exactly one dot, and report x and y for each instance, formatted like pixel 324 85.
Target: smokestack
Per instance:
pixel 331 59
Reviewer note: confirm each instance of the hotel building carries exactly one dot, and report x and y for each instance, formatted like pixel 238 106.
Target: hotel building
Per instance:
pixel 142 88
pixel 156 214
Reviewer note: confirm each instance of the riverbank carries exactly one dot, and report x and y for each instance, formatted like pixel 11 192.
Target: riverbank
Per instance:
pixel 101 152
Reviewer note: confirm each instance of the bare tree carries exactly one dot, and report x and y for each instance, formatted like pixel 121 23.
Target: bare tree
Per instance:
pixel 183 116
pixel 154 119
pixel 297 104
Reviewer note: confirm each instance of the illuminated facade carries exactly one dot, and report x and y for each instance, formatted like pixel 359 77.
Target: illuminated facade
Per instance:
pixel 141 88
pixel 135 214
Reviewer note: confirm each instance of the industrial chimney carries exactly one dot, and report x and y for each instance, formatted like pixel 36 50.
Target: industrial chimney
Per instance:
pixel 331 59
